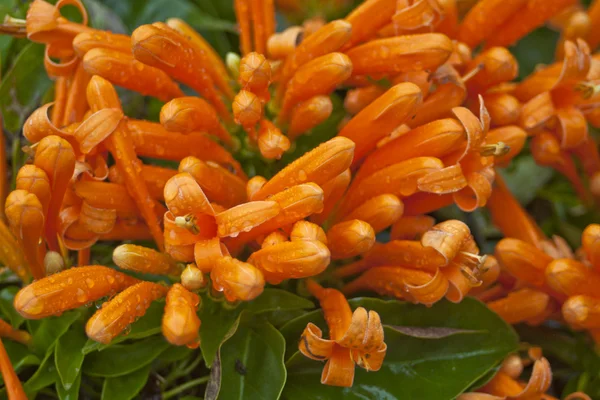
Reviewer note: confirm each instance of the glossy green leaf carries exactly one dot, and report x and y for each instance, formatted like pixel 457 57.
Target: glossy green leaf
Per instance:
pixel 127 386
pixel 72 393
pixel 144 327
pixel 176 353
pixel 44 376
pixel 138 12
pixel 252 363
pixel 122 359
pixel 47 331
pixel 20 356
pixel 278 300
pixel 68 355
pixel 7 296
pixel 103 17
pixel 223 320
pixel 414 368
pixel 23 86
pixel 524 178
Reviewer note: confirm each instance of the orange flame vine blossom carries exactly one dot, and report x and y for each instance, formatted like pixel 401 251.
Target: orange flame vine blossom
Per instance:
pixel 427 124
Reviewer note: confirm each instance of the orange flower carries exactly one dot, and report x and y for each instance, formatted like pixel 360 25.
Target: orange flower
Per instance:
pixel 354 338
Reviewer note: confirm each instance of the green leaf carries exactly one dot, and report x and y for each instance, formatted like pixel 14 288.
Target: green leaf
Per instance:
pixel 278 300
pixel 47 331
pixel 72 393
pixel 524 178
pixel 177 353
pixel 7 296
pixel 535 49
pixel 414 368
pixel 560 345
pixel 103 17
pixel 127 386
pixel 144 327
pixel 23 86
pixel 20 356
pixel 44 376
pixel 138 12
pixel 68 355
pixel 118 360
pixel 252 363
pixel 223 321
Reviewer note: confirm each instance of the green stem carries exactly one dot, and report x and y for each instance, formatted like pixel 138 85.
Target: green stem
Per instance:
pixel 184 387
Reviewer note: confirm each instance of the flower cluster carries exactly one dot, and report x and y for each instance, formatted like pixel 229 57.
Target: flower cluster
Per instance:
pixel 427 122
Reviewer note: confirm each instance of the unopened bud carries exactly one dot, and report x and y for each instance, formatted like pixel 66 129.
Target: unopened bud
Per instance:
pixel 192 278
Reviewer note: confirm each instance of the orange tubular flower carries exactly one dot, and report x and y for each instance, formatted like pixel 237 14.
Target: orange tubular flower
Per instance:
pixel 414 285
pixel 521 226
pixel 359 98
pixel 291 260
pixel 123 70
pixel 215 66
pixel 316 77
pixel 101 95
pixel 530 16
pixel 435 139
pixel 271 142
pixel 325 162
pixel 504 387
pixel 219 185
pixel 25 216
pixel 11 253
pixel 13 386
pixel 309 114
pixel 379 212
pixel 255 75
pixel 523 260
pixel 411 227
pixel 282 44
pixel 354 337
pixel 368 18
pixel 304 230
pixel 56 157
pixel 328 38
pixel 247 111
pixel 122 310
pixel 87 41
pixel 398 54
pixel 193 114
pixel 244 217
pixel 155 178
pixel 180 323
pixel 582 312
pixel 485 18
pixel 145 260
pixel 350 238
pixel 236 279
pixel 333 191
pixel 7 331
pixel 522 305
pixel 398 179
pixel 296 203
pixel 381 117
pixel 153 140
pixel 69 289
pixel 160 46
pixel 591 244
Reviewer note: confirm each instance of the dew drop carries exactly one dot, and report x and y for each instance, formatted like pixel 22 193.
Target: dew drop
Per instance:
pixel 89 283
pixel 81 296
pixel 110 279
pixel 302 175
